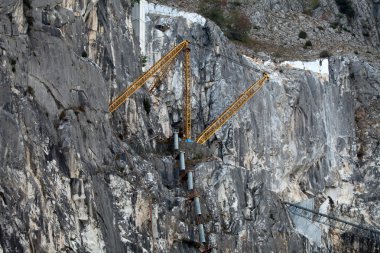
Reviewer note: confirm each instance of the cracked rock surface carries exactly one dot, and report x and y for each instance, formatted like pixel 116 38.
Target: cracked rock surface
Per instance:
pixel 75 178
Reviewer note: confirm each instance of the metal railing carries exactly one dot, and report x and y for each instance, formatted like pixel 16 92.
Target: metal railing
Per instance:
pixel 335 222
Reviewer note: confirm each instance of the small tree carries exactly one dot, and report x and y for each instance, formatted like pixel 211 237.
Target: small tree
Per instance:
pixel 143 60
pixel 308 44
pixel 302 35
pixel 324 54
pixel 345 7
pixel 315 4
pixel 133 2
pixel 239 26
pixel 147 105
pixel 235 24
pixel 212 9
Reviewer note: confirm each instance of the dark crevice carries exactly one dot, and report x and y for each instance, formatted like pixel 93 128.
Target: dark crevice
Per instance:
pixel 27 8
pixel 3 198
pixel 59 104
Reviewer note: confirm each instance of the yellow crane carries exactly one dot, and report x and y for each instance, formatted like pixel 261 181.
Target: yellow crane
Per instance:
pixel 231 110
pixel 162 67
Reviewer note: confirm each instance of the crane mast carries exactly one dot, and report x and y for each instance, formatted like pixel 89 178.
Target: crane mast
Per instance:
pixel 231 110
pixel 187 97
pixel 164 61
pixel 186 91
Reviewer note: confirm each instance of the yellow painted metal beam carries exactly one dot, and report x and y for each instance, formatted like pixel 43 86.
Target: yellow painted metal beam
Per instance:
pixel 231 110
pixel 118 101
pixel 187 96
pixel 161 75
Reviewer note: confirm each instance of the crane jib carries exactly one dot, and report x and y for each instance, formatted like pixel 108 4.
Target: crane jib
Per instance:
pixel 231 110
pixel 129 91
pixel 163 65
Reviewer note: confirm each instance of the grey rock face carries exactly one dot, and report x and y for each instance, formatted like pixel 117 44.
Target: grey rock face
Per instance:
pixel 75 178
pixel 312 146
pixel 57 141
pixel 275 25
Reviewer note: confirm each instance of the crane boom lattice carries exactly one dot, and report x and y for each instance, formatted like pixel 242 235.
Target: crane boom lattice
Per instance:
pixel 161 75
pixel 144 77
pixel 231 110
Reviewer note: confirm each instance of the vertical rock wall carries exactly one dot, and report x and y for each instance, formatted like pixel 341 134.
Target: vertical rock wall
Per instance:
pixel 61 62
pixel 75 178
pixel 299 136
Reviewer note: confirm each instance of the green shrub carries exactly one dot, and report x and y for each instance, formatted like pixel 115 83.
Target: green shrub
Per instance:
pixel 334 25
pixel 216 15
pixel 345 7
pixel 308 12
pixel 233 23
pixel 143 60
pixel 236 4
pixel 277 54
pixel 211 9
pixel 324 54
pixel 30 91
pixel 315 4
pixel 308 44
pixel 302 35
pixel 133 2
pixel 238 27
pixel 147 105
